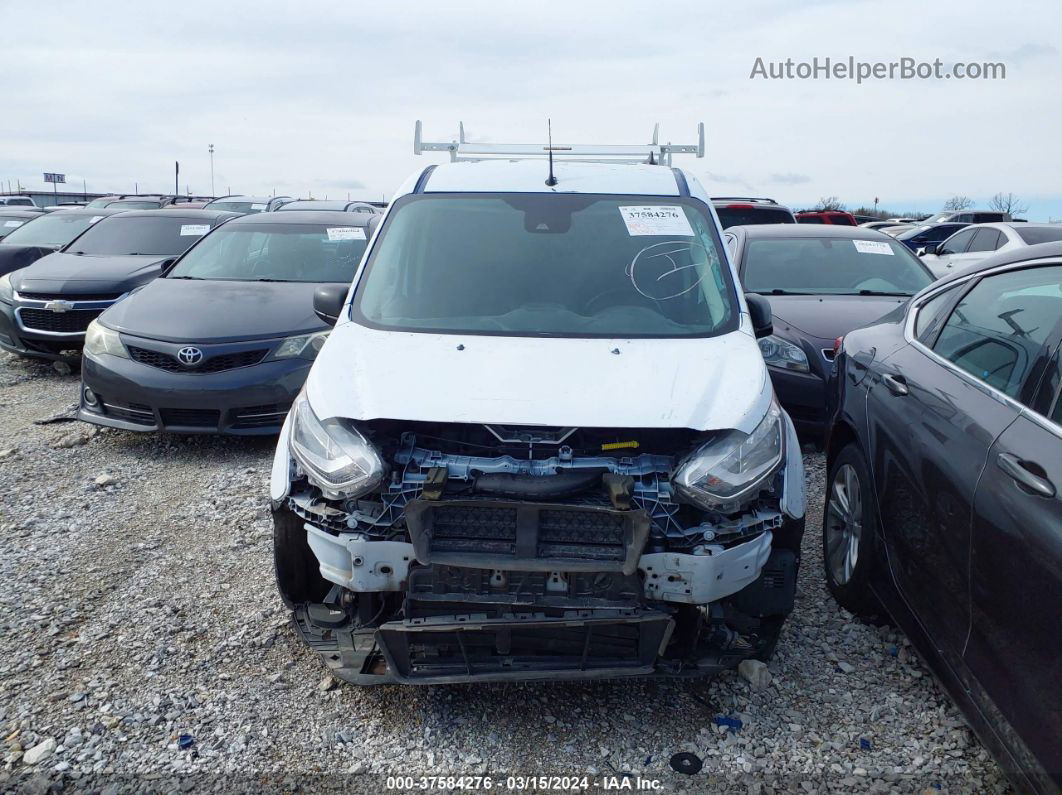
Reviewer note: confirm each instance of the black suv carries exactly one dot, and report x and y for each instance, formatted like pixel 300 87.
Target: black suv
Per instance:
pixel 741 211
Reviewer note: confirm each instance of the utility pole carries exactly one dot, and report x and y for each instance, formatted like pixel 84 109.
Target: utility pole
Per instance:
pixel 875 205
pixel 176 178
pixel 210 149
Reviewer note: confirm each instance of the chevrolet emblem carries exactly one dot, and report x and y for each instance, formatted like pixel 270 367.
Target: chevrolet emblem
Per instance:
pixel 58 306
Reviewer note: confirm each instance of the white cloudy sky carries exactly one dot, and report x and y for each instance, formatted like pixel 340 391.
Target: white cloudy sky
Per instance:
pixel 322 96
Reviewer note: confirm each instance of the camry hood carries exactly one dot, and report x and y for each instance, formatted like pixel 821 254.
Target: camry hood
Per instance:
pixel 829 317
pixel 81 273
pixel 703 384
pixel 176 310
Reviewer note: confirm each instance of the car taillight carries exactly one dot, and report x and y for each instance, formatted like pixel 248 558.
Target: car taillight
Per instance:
pixel 837 346
pixel 739 206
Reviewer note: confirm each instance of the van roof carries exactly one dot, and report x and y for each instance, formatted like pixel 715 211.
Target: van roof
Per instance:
pixel 529 176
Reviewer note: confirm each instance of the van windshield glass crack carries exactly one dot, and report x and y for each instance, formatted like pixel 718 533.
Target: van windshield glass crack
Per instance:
pixel 580 265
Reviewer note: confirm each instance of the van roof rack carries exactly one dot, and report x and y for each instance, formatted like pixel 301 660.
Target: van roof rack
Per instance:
pixel 653 152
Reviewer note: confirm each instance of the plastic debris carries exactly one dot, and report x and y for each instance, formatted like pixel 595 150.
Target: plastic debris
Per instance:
pixel 865 744
pixel 734 724
pixel 893 651
pixel 185 741
pixel 687 763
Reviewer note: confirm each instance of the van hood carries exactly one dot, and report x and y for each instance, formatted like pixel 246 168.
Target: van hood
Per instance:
pixel 178 310
pixel 702 384
pixel 82 273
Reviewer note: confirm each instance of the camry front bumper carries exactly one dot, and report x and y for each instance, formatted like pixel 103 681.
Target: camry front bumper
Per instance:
pixel 245 401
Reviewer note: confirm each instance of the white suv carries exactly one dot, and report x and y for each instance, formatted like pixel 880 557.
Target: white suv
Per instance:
pixel 541 441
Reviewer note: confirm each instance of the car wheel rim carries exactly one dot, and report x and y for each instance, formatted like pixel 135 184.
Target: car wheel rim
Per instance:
pixel 844 524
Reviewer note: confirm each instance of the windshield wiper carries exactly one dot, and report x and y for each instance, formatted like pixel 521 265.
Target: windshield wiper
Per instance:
pixel 197 278
pixel 266 279
pixel 779 291
pixel 882 292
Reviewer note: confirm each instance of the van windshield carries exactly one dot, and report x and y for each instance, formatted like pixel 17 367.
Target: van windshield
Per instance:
pixel 548 264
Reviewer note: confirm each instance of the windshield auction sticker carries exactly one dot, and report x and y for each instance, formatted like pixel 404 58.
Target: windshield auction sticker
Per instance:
pixel 194 229
pixel 13 223
pixel 873 247
pixel 346 233
pixel 659 220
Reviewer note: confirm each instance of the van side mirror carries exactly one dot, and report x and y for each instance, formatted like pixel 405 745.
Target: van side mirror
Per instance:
pixel 328 302
pixel 760 313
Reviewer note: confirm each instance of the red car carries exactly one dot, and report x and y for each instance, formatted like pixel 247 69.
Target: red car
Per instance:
pixel 837 217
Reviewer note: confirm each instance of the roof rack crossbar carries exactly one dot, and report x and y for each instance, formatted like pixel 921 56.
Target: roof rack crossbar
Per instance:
pixel 655 152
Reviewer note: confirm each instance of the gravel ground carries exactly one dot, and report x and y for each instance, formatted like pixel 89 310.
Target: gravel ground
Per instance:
pixel 137 605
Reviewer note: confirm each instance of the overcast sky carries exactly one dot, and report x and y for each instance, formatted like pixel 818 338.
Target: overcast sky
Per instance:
pixel 322 97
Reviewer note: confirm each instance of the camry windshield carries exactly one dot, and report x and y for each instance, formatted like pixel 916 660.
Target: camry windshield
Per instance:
pixel 156 234
pixel 276 253
pixel 831 265
pixel 549 264
pixel 52 230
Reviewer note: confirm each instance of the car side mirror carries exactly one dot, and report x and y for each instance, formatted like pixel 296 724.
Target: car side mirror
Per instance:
pixel 760 313
pixel 930 248
pixel 328 302
pixel 167 265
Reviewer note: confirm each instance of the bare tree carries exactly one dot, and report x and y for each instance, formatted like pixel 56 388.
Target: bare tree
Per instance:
pixel 958 202
pixel 1008 203
pixel 829 203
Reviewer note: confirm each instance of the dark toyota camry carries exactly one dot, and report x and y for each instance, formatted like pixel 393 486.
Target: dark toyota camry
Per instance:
pixel 223 342
pixel 46 307
pixel 944 494
pixel 822 282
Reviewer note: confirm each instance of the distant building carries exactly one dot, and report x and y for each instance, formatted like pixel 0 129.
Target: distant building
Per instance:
pixel 45 198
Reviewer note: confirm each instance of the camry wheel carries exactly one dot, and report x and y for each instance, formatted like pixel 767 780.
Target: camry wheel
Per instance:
pixel 848 525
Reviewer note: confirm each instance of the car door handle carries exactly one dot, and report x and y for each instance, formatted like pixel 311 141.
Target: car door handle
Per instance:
pixel 1013 466
pixel 896 384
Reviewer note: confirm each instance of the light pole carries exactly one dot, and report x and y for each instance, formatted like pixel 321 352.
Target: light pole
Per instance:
pixel 210 148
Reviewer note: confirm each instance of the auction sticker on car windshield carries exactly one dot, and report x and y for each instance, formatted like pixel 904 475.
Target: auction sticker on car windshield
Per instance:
pixel 13 223
pixel 873 247
pixel 658 220
pixel 194 229
pixel 346 233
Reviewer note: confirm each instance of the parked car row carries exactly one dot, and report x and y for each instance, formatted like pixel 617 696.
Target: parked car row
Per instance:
pixel 525 433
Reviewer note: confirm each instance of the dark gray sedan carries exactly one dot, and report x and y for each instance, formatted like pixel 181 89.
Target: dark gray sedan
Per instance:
pixel 944 494
pixel 822 281
pixel 223 342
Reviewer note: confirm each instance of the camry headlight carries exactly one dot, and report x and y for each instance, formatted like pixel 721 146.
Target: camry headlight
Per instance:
pixel 7 291
pixel 778 352
pixel 733 465
pixel 100 339
pixel 335 457
pixel 304 346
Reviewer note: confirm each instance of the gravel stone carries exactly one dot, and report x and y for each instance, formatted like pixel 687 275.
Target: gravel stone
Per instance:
pixel 155 604
pixel 39 752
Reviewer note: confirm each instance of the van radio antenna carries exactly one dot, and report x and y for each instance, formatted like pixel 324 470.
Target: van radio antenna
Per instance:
pixel 551 180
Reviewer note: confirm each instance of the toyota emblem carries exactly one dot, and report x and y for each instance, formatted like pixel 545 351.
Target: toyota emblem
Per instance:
pixel 189 356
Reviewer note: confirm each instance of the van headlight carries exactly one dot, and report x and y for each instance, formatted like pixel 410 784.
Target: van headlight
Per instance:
pixel 783 354
pixel 334 457
pixel 304 346
pixel 100 339
pixel 733 465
